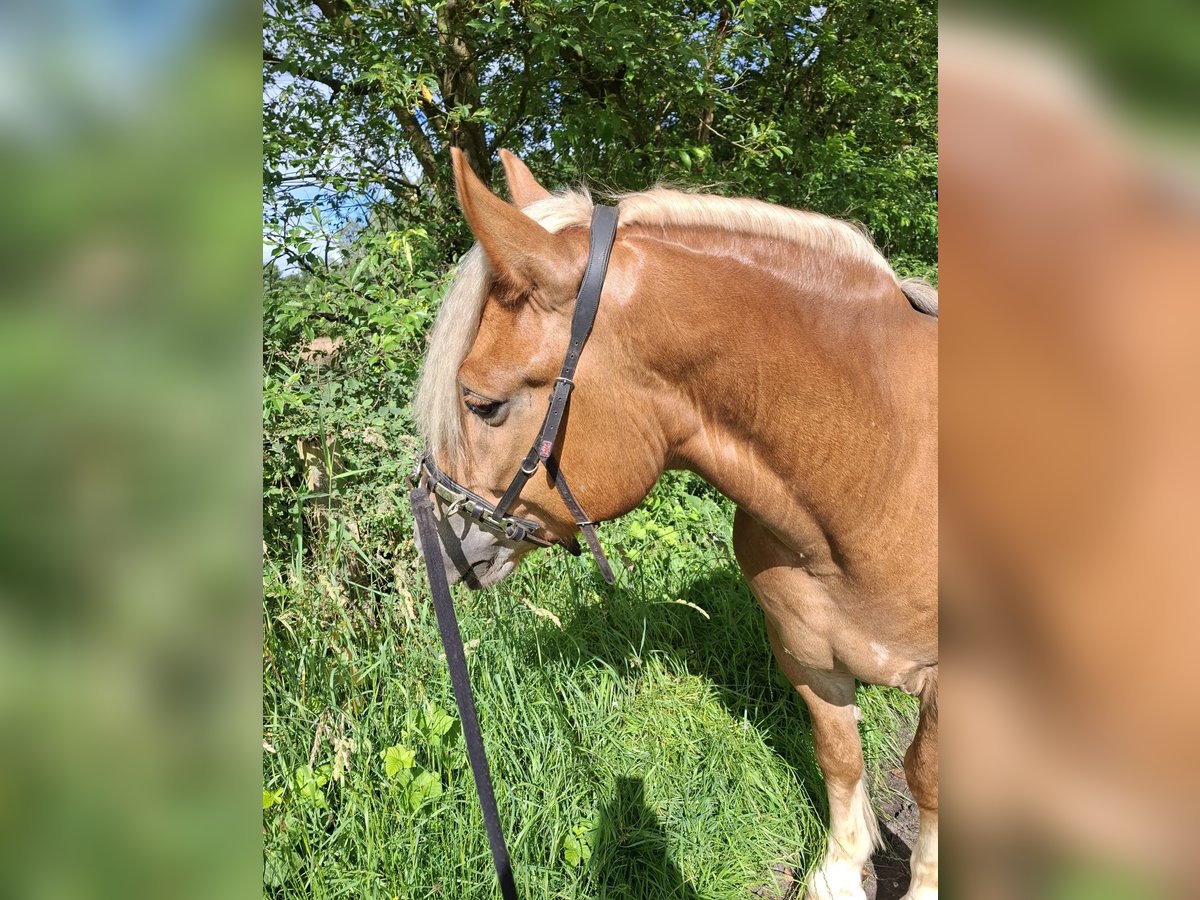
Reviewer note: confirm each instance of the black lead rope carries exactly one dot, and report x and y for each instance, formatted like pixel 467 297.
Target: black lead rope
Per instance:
pixel 460 680
pixel 428 478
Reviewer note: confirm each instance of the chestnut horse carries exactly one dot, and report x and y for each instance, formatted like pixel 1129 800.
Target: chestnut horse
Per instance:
pixel 774 353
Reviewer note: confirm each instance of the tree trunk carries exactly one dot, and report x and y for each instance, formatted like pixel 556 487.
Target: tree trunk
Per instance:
pixel 704 130
pixel 460 85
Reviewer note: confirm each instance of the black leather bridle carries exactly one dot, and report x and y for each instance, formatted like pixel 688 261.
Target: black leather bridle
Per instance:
pixel 459 500
pixel 428 481
pixel 497 516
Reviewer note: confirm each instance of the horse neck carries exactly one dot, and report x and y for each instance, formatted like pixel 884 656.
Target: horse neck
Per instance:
pixel 805 388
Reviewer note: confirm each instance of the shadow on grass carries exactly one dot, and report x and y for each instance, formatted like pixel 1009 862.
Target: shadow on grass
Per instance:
pixel 632 860
pixel 726 645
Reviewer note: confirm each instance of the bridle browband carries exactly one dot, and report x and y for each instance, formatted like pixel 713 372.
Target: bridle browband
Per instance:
pixel 496 516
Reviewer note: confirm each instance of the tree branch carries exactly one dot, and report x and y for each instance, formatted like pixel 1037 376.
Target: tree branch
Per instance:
pixel 704 130
pixel 332 9
pixel 522 102
pixel 335 84
pixel 460 85
pixel 419 143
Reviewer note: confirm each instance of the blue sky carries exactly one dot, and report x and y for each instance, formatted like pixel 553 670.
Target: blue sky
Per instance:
pixel 65 61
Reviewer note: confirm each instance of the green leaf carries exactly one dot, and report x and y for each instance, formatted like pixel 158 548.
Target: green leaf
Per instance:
pixel 424 788
pixel 308 784
pixel 397 759
pixel 438 723
pixel 577 846
pixel 572 850
pixel 275 869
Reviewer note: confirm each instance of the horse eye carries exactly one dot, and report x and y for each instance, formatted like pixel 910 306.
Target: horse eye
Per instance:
pixel 486 409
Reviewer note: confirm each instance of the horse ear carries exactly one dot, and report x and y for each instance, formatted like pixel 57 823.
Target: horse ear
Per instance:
pixel 522 186
pixel 524 256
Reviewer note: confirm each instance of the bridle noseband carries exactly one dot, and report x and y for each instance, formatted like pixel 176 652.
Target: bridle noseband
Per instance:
pixel 496 516
pixel 463 501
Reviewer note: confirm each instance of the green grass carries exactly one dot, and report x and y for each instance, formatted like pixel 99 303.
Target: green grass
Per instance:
pixel 641 747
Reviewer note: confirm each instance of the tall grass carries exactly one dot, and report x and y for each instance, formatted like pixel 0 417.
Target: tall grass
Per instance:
pixel 642 741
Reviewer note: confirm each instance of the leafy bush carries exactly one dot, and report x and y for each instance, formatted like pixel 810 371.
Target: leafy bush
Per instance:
pixel 342 349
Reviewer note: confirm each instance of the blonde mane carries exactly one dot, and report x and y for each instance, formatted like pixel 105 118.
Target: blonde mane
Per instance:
pixel 437 399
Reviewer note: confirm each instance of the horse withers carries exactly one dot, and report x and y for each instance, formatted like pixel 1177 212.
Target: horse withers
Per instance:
pixel 771 351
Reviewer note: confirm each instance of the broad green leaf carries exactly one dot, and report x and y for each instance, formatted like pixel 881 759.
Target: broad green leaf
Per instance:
pixel 438 722
pixel 308 784
pixel 424 788
pixel 572 850
pixel 396 759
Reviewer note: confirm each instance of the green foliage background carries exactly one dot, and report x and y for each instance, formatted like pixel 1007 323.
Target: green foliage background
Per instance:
pixel 832 108
pixel 642 744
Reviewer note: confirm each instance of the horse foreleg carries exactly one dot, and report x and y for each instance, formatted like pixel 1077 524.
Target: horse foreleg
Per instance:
pixel 853 830
pixel 921 770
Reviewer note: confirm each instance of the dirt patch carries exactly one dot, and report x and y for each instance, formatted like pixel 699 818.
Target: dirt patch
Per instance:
pixel 886 877
pixel 785 885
